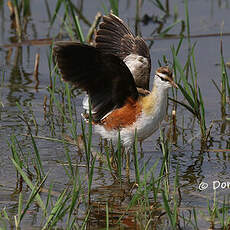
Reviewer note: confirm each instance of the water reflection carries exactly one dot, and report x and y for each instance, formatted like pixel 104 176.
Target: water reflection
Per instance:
pixel 18 79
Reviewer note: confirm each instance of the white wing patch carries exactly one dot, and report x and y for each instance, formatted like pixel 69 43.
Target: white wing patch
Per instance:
pixel 138 65
pixel 85 104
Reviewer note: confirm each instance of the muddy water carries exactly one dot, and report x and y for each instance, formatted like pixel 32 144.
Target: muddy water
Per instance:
pixel 18 85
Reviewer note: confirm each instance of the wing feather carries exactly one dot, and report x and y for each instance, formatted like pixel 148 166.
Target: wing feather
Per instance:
pixel 114 37
pixel 104 77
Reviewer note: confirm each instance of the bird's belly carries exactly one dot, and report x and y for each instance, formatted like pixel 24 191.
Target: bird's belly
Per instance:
pixel 145 126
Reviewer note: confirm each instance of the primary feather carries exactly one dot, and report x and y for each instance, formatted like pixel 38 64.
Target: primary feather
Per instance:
pixel 105 78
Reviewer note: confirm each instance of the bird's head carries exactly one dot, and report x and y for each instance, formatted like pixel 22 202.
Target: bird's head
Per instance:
pixel 164 78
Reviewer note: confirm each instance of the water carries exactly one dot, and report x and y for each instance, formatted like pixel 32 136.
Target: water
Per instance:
pixel 17 84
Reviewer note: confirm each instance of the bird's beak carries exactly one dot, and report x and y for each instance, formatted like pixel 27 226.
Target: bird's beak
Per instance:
pixel 174 84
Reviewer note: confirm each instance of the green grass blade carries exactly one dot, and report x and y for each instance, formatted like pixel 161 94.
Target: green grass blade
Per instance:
pixel 107 216
pixel 119 156
pixel 38 159
pixel 76 23
pixel 83 227
pixel 79 30
pixel 57 207
pixel 181 71
pixel 14 152
pixel 20 201
pixel 57 8
pixel 202 119
pixel 105 8
pixel 33 194
pixel 49 196
pixel 167 208
pixel 6 216
pixel 159 5
pixel 26 8
pixel 114 4
pixel 75 196
pixel 90 179
pixel 190 109
pixel 186 95
pixel 164 32
pixel 29 183
pixel 179 46
pixel 187 19
pixel 90 130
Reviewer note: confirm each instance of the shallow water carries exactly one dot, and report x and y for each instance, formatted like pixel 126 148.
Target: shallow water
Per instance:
pixel 17 84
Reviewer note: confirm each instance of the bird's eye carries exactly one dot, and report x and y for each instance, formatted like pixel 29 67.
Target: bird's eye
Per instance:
pixel 163 79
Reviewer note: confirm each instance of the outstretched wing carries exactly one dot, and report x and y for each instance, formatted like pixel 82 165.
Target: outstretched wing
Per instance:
pixel 114 37
pixel 104 77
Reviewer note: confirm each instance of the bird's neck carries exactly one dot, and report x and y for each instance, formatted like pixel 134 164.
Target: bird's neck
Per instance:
pixel 156 100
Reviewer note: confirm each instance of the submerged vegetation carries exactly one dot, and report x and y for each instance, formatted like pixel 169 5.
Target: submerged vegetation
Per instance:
pixel 135 191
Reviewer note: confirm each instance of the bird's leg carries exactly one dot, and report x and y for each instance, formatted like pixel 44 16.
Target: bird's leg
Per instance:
pixel 127 164
pixel 106 143
pixel 113 158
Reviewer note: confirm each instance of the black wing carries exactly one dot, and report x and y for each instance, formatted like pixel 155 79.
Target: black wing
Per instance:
pixel 105 77
pixel 114 37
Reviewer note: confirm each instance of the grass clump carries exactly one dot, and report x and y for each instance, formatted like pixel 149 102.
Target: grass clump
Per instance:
pixel 188 81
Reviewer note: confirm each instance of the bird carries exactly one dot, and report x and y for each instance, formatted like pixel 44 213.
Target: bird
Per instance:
pixel 115 73
pixel 114 37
